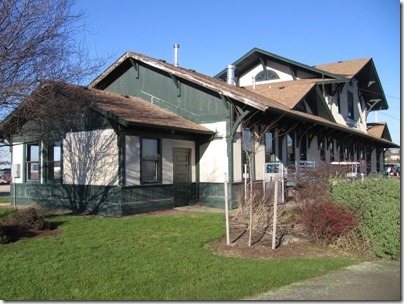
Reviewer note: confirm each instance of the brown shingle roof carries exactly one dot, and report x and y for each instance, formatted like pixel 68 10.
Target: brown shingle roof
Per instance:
pixel 126 110
pixel 288 93
pixel 348 68
pixel 378 130
pixel 245 96
pixel 135 110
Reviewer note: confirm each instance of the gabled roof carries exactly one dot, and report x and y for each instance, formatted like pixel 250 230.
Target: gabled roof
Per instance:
pixel 365 72
pixel 256 55
pixel 288 93
pixel 242 95
pixel 125 110
pixel 291 93
pixel 361 69
pixel 348 68
pixel 379 130
pixel 213 84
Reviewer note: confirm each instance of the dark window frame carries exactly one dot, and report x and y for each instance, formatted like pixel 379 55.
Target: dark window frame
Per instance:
pixel 51 162
pixel 266 75
pixel 351 108
pixel 30 162
pixel 146 160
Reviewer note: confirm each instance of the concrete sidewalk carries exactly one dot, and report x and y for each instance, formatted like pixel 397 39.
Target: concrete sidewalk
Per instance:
pixel 368 281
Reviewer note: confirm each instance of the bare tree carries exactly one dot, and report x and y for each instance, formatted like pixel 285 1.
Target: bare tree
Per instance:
pixel 39 42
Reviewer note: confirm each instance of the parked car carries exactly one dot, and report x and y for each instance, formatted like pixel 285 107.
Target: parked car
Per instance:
pixel 5 174
pixel 391 170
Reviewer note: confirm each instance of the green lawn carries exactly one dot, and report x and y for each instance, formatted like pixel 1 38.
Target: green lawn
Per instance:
pixel 141 258
pixel 4 199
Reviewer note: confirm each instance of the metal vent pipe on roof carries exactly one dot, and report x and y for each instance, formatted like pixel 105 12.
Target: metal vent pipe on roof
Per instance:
pixel 231 76
pixel 176 47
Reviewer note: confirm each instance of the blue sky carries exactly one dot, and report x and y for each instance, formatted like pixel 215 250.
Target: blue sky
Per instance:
pixel 213 34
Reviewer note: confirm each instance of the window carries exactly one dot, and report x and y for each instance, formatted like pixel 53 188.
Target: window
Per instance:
pixel 54 161
pixel 291 148
pixel 303 147
pixel 350 105
pixel 247 140
pixel 266 75
pixel 32 162
pixel 150 164
pixel 339 102
pixel 269 147
pixel 341 152
pixel 331 147
pixel 322 150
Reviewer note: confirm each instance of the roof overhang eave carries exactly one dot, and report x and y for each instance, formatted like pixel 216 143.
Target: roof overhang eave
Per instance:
pixel 296 114
pixel 170 128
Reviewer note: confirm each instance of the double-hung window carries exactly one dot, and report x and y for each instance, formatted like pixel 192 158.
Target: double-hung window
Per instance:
pixel 32 162
pixel 150 163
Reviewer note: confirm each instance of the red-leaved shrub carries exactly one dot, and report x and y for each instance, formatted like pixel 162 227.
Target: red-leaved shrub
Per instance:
pixel 325 221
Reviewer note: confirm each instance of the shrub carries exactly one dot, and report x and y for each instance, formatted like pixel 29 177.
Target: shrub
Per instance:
pixel 4 237
pixel 324 221
pixel 19 222
pixel 377 202
pixel 26 219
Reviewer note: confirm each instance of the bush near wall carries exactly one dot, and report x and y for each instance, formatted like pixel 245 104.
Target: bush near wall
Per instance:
pixel 377 202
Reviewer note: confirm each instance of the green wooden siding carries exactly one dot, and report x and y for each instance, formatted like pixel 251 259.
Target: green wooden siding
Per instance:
pixel 96 199
pixel 212 194
pixel 115 201
pixel 194 103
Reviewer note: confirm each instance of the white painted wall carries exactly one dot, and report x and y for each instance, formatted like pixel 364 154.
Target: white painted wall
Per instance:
pixel 237 157
pixel 359 114
pixel 246 79
pixel 18 158
pixel 214 160
pixel 167 153
pixel 132 160
pixel 90 158
pixel 259 155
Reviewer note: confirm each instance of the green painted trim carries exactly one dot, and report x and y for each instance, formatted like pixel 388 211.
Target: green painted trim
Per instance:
pixel 135 65
pixel 177 84
pixel 121 158
pixel 259 52
pixel 147 206
pixel 225 101
pixel 117 201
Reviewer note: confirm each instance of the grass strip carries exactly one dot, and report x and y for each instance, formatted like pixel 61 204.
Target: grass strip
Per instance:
pixel 142 258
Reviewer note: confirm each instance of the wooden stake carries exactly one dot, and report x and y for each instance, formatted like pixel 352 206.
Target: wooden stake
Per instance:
pixel 275 214
pixel 226 206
